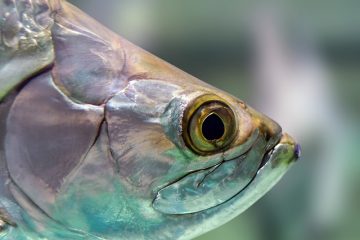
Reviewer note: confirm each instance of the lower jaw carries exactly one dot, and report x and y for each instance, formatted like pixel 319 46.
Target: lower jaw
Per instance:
pixel 271 161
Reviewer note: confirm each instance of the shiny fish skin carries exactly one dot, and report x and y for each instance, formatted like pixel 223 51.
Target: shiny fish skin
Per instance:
pixel 92 136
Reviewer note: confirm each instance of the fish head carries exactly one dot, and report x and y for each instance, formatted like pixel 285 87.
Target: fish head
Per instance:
pixel 171 157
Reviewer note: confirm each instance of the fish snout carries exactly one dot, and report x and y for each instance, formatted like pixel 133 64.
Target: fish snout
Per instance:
pixel 268 128
pixel 273 134
pixel 286 139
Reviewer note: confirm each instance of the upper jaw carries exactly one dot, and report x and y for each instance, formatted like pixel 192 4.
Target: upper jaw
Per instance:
pixel 272 132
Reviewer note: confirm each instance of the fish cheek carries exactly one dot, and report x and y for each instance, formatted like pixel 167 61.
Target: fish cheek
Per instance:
pixel 137 146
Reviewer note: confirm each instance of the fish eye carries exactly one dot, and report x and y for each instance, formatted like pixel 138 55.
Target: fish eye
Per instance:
pixel 213 127
pixel 209 125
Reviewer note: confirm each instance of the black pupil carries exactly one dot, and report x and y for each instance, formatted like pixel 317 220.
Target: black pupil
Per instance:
pixel 213 127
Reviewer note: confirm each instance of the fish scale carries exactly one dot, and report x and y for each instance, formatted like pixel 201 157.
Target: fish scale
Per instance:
pixel 25 41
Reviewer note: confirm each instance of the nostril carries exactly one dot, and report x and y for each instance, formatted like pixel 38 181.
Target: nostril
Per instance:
pixel 297 151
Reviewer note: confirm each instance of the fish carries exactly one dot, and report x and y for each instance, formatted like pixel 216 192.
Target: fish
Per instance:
pixel 100 139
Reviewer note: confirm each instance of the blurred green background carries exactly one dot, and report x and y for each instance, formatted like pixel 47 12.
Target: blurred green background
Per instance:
pixel 298 62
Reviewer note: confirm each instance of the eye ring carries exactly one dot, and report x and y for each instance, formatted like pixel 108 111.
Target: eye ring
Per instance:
pixel 209 125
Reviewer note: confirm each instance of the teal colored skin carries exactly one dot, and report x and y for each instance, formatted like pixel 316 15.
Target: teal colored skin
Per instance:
pixel 92 137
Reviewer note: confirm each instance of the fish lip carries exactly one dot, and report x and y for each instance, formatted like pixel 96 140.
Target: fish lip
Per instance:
pixel 269 151
pixel 284 139
pixel 266 157
pixel 297 151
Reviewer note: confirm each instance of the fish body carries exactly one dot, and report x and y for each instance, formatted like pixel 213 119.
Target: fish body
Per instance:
pixel 102 140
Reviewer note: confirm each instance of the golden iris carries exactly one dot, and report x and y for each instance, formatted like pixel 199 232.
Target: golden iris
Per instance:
pixel 209 125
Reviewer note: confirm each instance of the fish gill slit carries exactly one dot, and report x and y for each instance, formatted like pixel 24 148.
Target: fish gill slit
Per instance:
pixel 110 151
pixel 79 164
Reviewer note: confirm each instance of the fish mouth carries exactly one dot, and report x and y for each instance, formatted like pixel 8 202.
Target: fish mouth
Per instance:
pixel 208 188
pixel 270 149
pixel 285 145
